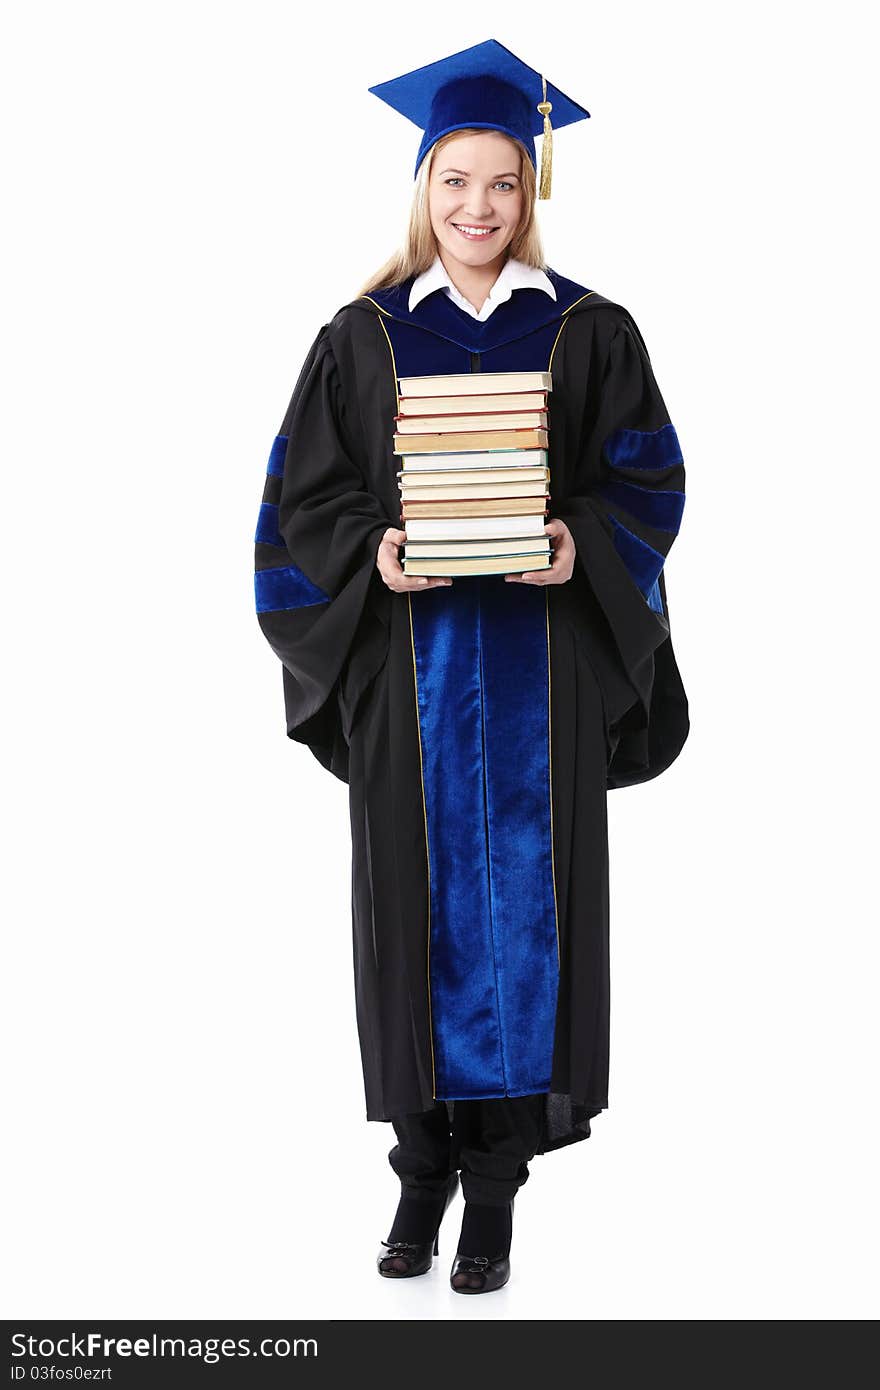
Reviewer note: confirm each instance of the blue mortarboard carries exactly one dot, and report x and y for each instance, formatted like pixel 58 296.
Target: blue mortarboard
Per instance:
pixel 486 87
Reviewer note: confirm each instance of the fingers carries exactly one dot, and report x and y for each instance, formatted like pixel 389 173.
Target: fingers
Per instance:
pixel 559 572
pixel 418 582
pixel 397 580
pixel 393 573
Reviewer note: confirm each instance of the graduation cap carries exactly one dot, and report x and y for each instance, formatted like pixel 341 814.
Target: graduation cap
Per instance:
pixel 486 87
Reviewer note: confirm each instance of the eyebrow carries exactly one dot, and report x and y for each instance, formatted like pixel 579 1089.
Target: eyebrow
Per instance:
pixel 509 175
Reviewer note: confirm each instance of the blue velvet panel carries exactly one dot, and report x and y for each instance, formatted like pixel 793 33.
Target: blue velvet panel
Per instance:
pixel 642 560
pixel 481 661
pixel 654 597
pixel 516 715
pixel 657 507
pixel 267 532
pixel 525 326
pixel 655 449
pixel 285 586
pixel 277 455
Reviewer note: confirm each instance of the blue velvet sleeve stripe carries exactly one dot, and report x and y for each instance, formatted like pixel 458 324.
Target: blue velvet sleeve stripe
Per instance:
pixel 642 560
pixel 654 449
pixel 654 598
pixel 657 507
pixel 277 455
pixel 285 586
pixel 267 532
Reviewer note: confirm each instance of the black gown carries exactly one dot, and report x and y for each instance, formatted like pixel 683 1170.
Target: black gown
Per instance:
pixel 479 725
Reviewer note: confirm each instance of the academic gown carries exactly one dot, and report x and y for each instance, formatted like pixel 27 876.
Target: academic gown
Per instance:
pixel 478 726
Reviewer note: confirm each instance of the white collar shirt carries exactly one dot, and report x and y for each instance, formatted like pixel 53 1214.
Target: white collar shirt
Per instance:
pixel 515 275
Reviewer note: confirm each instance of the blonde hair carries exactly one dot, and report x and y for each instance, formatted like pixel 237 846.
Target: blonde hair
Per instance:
pixel 420 245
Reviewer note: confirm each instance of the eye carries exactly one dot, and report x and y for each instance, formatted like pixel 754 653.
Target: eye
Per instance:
pixel 502 183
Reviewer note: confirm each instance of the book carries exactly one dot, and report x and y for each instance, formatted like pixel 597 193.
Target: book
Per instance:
pixel 454 424
pixel 483 506
pixel 499 439
pixel 454 492
pixel 439 549
pixel 474 527
pixel 473 383
pixel 410 480
pixel 494 458
pixel 513 564
pixel 463 405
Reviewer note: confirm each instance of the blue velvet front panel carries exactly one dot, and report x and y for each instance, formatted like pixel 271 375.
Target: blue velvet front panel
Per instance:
pixel 468 1053
pixel 483 701
pixel 516 714
pixel 482 687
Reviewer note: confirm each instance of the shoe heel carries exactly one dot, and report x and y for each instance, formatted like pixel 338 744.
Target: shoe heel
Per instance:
pixel 437 1243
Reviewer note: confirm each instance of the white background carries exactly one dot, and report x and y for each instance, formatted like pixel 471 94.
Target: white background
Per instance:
pixel 192 189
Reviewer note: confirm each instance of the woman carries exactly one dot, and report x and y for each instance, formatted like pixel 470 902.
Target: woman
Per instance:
pixel 478 727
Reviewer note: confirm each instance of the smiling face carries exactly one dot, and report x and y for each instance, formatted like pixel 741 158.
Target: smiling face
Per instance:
pixel 475 197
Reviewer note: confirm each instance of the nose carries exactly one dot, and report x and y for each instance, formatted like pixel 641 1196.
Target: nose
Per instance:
pixel 484 213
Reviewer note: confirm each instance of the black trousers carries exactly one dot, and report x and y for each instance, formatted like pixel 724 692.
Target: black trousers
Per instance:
pixel 489 1141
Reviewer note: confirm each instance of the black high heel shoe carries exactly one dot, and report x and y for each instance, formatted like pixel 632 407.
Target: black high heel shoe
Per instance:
pixel 479 1273
pixel 482 1273
pixel 403 1259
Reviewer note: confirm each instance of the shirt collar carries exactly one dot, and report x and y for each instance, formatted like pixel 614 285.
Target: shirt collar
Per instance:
pixel 515 275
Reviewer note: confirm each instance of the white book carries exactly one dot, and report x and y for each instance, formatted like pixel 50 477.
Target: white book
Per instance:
pixel 492 458
pixel 446 405
pixel 474 383
pixel 472 527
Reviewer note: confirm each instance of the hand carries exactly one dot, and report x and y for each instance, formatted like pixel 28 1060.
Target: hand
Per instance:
pixel 391 570
pixel 562 557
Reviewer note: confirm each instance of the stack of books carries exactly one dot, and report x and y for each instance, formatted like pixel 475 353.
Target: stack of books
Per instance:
pixel 474 477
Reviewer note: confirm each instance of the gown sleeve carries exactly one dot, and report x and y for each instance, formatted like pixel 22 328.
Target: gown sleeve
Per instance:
pixel 624 510
pixel 317 536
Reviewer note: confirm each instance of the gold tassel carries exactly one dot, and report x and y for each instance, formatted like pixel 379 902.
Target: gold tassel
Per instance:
pixel 545 107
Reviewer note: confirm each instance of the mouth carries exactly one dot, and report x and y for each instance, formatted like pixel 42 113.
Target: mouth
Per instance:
pixel 473 231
